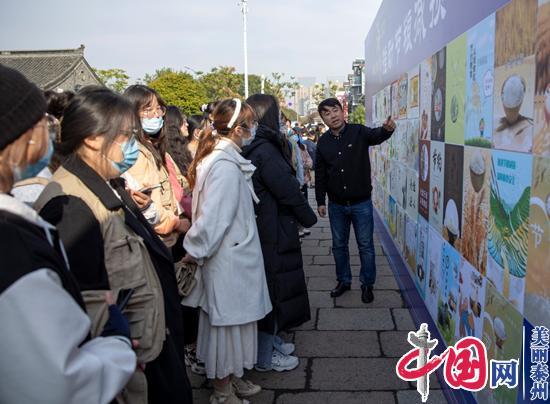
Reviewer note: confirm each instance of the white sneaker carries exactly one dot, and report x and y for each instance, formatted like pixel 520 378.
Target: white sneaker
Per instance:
pixel 280 362
pixel 286 348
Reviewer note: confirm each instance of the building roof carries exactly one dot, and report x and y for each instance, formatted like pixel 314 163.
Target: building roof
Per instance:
pixel 45 68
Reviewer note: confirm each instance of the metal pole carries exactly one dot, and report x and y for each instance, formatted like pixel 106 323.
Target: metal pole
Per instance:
pixel 263 84
pixel 244 9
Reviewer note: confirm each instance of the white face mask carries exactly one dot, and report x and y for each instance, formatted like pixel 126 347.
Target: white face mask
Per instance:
pixel 248 141
pixel 152 126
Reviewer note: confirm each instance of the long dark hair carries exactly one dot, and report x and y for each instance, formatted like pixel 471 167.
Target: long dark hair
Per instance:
pixel 194 122
pixel 141 97
pixel 267 110
pixel 222 115
pixel 177 144
pixel 95 110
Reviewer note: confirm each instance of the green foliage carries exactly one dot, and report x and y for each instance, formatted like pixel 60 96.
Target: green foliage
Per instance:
pixel 358 115
pixel 115 79
pixel 478 142
pixel 188 92
pixel 290 113
pixel 180 89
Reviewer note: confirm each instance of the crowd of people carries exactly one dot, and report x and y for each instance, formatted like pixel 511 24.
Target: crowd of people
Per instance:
pixel 138 241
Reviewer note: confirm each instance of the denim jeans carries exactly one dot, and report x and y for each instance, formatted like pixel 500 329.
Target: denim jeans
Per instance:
pixel 361 216
pixel 266 344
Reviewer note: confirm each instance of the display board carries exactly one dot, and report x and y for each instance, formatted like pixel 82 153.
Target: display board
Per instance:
pixel 463 185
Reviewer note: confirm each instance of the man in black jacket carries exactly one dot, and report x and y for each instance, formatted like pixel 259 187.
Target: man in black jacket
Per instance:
pixel 342 171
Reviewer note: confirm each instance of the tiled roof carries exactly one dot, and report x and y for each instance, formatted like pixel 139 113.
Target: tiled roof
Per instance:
pixel 45 68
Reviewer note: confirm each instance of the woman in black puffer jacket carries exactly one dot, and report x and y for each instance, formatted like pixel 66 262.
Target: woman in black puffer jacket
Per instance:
pixel 281 209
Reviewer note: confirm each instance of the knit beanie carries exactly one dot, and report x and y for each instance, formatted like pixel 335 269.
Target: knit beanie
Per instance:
pixel 22 105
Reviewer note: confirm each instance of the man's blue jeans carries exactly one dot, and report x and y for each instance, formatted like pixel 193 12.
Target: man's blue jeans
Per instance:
pixel 361 216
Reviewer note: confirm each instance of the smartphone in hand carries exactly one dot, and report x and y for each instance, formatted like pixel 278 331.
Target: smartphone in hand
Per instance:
pixel 124 297
pixel 149 190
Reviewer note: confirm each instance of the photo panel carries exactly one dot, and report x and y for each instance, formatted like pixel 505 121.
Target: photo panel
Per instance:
pixel 452 195
pixel 502 336
pixel 410 242
pixel 425 112
pixel 433 272
pixel 541 141
pixel 447 306
pixel 437 178
pixel 422 260
pixel 424 180
pixel 413 104
pixel 480 60
pixel 438 96
pixel 514 85
pixel 508 226
pixel 475 212
pixel 471 290
pixel 455 90
pixel 537 288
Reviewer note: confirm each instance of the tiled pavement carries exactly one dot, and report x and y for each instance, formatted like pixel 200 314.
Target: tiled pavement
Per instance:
pixel 348 350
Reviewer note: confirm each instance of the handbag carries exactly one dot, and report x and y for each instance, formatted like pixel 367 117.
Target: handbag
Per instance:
pixel 185 277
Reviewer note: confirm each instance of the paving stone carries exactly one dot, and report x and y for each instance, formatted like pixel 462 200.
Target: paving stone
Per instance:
pixel 379 397
pixel 320 270
pixel 386 282
pixel 412 396
pixel 394 343
pixel 202 396
pixel 355 374
pixel 403 319
pixel 320 299
pixel 309 325
pixel 337 344
pixel 315 250
pixel 309 243
pixel 381 270
pixel 319 235
pixel 292 380
pixel 355 319
pixel 323 260
pixel 382 298
pixel 329 282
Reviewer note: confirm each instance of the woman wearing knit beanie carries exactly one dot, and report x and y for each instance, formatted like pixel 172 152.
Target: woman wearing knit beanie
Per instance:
pixel 47 354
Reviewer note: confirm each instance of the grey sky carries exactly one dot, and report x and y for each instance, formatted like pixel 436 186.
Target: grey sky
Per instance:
pixel 301 38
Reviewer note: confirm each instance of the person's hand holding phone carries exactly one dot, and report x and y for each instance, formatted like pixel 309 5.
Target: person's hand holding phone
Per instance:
pixel 141 199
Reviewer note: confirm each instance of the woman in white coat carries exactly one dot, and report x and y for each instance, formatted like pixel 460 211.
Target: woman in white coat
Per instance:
pixel 232 290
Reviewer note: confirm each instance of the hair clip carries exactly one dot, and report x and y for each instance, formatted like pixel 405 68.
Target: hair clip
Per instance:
pixel 203 107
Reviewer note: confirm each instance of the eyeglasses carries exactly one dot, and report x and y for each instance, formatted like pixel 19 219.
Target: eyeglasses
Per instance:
pixel 151 113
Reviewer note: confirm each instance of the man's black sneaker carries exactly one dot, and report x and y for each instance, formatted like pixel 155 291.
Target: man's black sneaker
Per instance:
pixel 366 294
pixel 340 289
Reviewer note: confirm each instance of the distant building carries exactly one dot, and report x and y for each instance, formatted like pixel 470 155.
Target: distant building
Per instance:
pixel 354 85
pixel 64 69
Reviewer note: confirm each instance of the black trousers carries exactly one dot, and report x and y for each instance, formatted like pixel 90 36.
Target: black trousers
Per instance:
pixel 167 381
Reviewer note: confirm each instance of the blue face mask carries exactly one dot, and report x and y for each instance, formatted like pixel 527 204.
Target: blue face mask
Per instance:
pixel 152 126
pixel 32 170
pixel 248 141
pixel 130 150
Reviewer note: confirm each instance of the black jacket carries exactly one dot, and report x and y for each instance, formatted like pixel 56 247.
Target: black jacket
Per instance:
pixel 281 208
pixel 342 167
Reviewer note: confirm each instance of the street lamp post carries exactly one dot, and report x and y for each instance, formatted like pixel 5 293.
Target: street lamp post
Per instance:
pixel 244 9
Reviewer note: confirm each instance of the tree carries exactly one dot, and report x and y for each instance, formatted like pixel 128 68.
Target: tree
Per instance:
pixel 115 79
pixel 180 89
pixel 221 82
pixel 358 115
